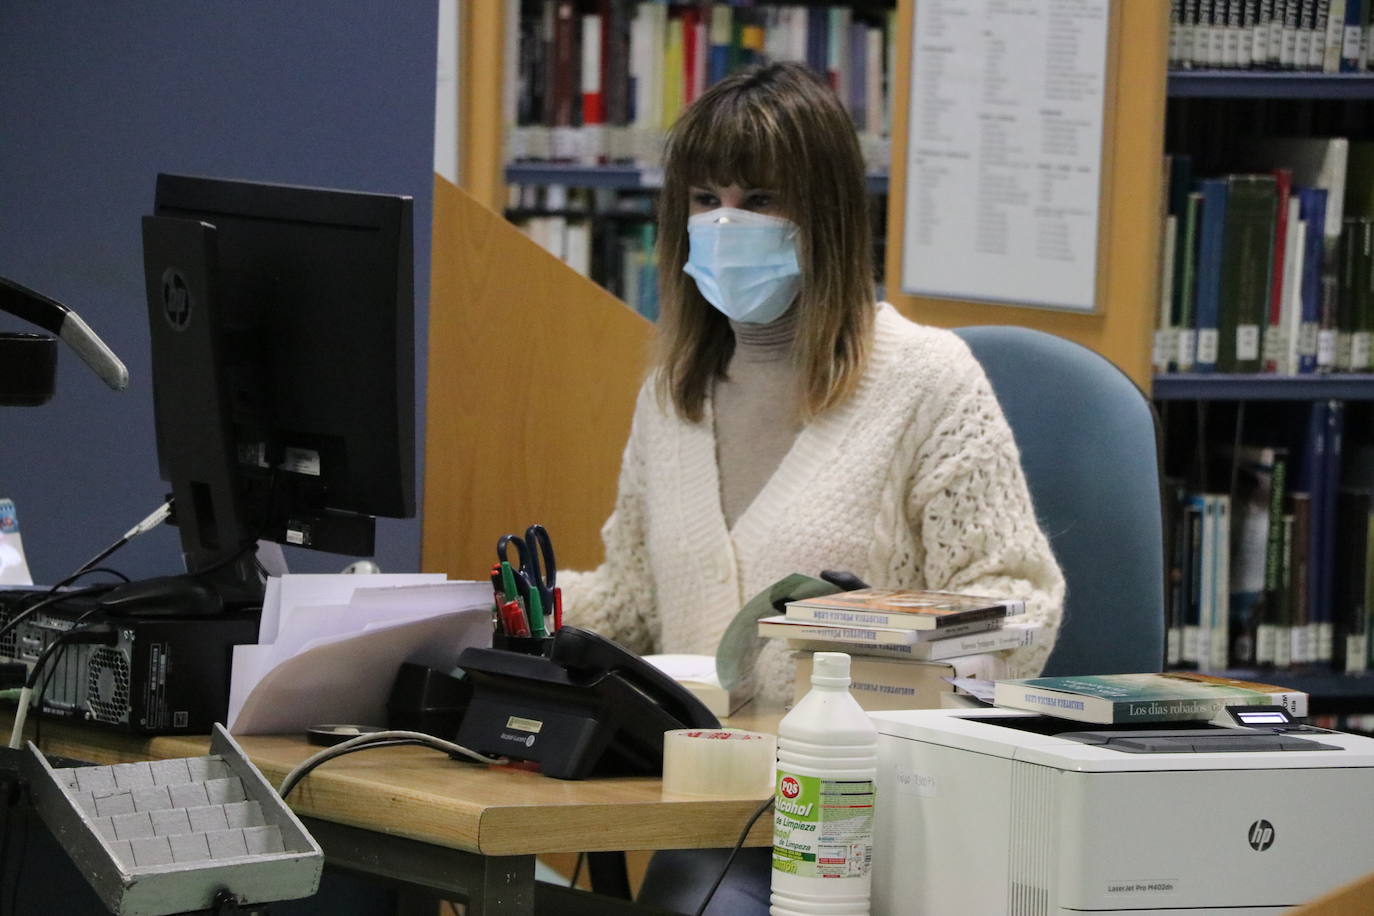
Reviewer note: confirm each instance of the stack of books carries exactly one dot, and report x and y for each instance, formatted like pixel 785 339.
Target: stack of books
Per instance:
pixel 905 643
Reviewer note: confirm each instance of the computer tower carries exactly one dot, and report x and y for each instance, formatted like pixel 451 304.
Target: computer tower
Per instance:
pixel 163 675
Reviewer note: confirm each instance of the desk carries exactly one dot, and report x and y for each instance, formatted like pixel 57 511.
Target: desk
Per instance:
pixel 462 830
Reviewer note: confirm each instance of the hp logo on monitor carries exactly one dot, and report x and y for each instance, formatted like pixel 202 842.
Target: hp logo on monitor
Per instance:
pixel 176 299
pixel 1261 835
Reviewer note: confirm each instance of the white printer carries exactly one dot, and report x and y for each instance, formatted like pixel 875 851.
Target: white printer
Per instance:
pixel 995 811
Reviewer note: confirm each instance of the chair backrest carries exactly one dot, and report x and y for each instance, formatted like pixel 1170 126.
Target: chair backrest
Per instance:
pixel 1089 446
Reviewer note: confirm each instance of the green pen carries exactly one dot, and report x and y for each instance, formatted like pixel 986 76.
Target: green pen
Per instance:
pixel 508 582
pixel 536 613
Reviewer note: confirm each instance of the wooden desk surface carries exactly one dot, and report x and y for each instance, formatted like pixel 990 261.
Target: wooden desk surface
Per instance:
pixel 424 795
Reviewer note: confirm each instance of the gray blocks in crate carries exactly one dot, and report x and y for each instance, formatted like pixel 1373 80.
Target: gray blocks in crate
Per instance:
pixel 164 836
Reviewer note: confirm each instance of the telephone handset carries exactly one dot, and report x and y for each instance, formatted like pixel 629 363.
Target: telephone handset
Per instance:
pixel 587 654
pixel 591 707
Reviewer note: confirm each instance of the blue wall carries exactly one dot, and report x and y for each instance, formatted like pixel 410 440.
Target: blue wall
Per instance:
pixel 95 99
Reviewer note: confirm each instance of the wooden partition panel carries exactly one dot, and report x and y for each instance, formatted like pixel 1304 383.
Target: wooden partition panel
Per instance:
pixel 482 77
pixel 1131 205
pixel 533 371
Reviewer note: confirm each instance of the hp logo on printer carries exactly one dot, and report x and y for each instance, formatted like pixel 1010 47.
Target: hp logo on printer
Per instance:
pixel 1261 835
pixel 176 299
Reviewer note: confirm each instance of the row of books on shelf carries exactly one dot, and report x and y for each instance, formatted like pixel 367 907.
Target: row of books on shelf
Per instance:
pixel 600 81
pixel 1270 269
pixel 1277 571
pixel 604 234
pixel 1329 36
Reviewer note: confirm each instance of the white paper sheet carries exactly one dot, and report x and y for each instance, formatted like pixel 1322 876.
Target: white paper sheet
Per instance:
pixel 347 679
pixel 328 654
pixel 313 589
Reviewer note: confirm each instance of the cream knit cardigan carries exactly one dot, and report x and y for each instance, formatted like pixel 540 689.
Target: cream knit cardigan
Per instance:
pixel 914 481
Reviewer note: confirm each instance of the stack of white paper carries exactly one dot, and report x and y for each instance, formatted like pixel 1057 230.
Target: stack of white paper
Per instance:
pixel 329 646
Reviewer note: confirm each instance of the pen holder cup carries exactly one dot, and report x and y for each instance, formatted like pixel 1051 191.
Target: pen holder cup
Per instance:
pixel 529 645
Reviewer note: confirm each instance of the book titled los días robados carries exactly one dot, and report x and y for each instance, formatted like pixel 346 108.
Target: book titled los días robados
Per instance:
pixel 909 609
pixel 1174 696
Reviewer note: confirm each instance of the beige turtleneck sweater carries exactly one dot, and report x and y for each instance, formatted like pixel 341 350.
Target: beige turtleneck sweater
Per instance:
pixel 914 481
pixel 755 410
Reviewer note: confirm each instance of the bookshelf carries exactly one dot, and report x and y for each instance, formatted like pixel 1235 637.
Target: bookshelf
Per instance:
pixel 1131 185
pixel 1268 84
pixel 1188 386
pixel 1211 114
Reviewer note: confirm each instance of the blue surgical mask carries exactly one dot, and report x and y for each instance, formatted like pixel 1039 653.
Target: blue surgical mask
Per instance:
pixel 744 263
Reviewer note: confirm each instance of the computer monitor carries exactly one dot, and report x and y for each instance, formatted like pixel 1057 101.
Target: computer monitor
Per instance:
pixel 282 323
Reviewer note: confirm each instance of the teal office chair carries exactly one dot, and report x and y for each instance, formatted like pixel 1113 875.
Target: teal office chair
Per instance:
pixel 1089 445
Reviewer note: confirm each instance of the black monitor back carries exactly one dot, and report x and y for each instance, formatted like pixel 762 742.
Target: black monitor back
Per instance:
pixel 283 359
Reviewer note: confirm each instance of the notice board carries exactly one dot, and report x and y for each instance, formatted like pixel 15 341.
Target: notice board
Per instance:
pixel 1005 151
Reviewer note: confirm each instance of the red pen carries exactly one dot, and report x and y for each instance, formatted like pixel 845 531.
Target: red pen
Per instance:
pixel 557 609
pixel 513 619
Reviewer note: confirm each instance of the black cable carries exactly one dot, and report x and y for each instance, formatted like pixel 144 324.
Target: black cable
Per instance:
pixel 739 844
pixel 577 868
pixel 38 700
pixel 52 596
pixel 47 679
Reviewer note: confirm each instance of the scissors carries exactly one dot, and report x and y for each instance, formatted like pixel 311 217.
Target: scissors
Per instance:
pixel 536 572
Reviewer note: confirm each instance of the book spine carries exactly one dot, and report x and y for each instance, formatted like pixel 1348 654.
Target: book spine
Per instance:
pixel 1126 712
pixel 1262 55
pixel 1219 641
pixel 1335 36
pixel 875 635
pixel 1188 31
pixel 1185 320
pixel 591 150
pixel 1247 259
pixel 1313 210
pixel 1176 597
pixel 933 650
pixel 1335 430
pixel 1352 550
pixel 1209 270
pixel 1352 268
pixel 1274 344
pixel 1165 339
pixel 1175 32
pixel 1351 36
pixel 1319 447
pixel 1271 609
pixel 896 620
pixel 1292 16
pixel 1368 627
pixel 1193 608
pixel 1362 310
pixel 1302 49
pixel 1295 259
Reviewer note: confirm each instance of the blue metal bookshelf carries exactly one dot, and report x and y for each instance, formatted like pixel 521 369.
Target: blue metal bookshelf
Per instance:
pixel 1269 84
pixel 1186 386
pixel 623 177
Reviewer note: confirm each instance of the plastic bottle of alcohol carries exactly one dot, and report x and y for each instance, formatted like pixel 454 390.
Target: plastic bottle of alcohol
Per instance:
pixel 825 793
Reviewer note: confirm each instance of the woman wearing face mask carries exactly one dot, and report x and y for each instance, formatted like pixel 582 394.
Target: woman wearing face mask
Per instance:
pixel 791 423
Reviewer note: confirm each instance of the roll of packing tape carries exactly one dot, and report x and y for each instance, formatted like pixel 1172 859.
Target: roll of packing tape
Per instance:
pixel 719 761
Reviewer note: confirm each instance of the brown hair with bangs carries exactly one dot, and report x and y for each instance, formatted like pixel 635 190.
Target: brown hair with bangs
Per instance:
pixel 780 128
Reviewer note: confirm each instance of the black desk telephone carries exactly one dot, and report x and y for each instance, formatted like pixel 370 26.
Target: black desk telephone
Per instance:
pixel 591 707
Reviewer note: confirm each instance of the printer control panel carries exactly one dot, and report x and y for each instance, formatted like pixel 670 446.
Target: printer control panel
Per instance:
pixel 1200 740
